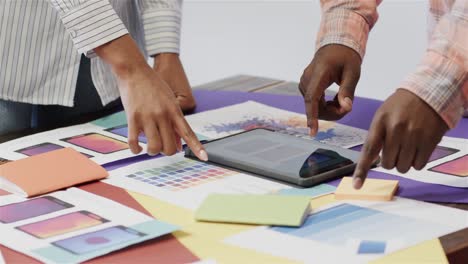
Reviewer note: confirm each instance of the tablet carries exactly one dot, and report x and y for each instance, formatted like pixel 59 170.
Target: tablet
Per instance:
pixel 283 157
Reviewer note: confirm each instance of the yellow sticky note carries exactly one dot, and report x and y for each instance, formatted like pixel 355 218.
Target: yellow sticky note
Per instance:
pixel 373 189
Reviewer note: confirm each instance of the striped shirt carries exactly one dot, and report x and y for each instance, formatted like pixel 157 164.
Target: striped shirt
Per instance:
pixel 441 79
pixel 41 42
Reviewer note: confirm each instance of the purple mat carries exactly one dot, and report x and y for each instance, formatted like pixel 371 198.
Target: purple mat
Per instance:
pixel 361 116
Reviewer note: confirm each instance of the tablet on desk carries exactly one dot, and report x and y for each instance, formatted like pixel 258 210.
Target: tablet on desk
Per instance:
pixel 282 157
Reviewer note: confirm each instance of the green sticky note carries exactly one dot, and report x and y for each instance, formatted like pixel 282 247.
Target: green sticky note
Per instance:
pixel 278 210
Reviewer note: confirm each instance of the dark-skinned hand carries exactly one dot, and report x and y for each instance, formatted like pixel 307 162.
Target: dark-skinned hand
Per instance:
pixel 331 64
pixel 406 129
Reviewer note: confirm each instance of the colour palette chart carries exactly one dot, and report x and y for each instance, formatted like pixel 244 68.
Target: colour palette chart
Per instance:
pixel 181 175
pixel 185 182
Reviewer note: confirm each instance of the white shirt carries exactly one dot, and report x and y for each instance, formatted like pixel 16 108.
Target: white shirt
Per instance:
pixel 41 42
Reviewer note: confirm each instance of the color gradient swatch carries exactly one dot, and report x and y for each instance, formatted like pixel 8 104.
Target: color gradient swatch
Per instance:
pixel 97 143
pixel 457 167
pixel 123 131
pixel 100 239
pixel 442 152
pixel 372 247
pixel 39 149
pixel 11 213
pixel 62 224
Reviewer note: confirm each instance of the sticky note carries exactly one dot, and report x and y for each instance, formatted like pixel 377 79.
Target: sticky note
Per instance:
pixel 373 189
pixel 49 172
pixel 279 210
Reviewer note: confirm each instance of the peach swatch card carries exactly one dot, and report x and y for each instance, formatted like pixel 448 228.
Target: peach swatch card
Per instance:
pixel 372 190
pixel 49 172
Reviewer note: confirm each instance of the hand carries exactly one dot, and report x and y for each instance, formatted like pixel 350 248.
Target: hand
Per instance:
pixel 407 129
pixel 331 64
pixel 169 67
pixel 149 103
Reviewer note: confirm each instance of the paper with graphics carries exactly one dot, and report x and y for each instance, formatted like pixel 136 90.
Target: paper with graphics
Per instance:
pixel 249 115
pixel 73 226
pixel 354 231
pixel 448 165
pixel 103 141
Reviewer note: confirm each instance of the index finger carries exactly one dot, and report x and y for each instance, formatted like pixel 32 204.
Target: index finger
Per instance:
pixel 312 98
pixel 370 152
pixel 185 131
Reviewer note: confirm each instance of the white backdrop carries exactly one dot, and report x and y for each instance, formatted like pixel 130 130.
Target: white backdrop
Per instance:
pixel 276 39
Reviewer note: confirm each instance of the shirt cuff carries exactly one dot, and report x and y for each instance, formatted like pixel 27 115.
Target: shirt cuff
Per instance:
pixel 162 31
pixel 442 84
pixel 344 27
pixel 93 24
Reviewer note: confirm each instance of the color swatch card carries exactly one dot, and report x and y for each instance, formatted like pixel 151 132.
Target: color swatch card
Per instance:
pixel 448 165
pixel 250 115
pixel 48 172
pixel 73 226
pixel 354 231
pixel 372 190
pixel 279 210
pixel 186 182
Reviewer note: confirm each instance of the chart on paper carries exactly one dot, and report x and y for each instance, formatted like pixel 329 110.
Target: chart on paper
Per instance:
pixel 72 226
pixel 355 232
pixel 250 115
pixel 187 182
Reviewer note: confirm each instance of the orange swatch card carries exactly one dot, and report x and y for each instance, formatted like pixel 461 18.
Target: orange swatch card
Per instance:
pixel 49 172
pixel 373 190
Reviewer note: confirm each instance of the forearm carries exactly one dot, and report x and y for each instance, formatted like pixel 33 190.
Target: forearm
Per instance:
pixel 347 23
pixel 161 21
pixel 123 56
pixel 441 78
pixel 90 23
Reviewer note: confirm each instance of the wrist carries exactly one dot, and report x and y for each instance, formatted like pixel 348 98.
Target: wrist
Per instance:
pixel 166 59
pixel 123 56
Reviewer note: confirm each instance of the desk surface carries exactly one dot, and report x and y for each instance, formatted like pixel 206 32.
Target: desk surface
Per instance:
pixel 455 245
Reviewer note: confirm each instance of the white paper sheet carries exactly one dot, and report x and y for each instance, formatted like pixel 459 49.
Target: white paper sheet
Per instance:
pixel 78 226
pixel 355 231
pixel 449 165
pixel 185 182
pixel 241 117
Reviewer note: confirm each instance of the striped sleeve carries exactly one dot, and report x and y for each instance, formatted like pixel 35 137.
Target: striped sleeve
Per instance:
pixel 90 23
pixel 441 79
pixel 347 22
pixel 161 23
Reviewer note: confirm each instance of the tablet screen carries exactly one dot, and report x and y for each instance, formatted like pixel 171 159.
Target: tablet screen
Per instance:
pixel 322 160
